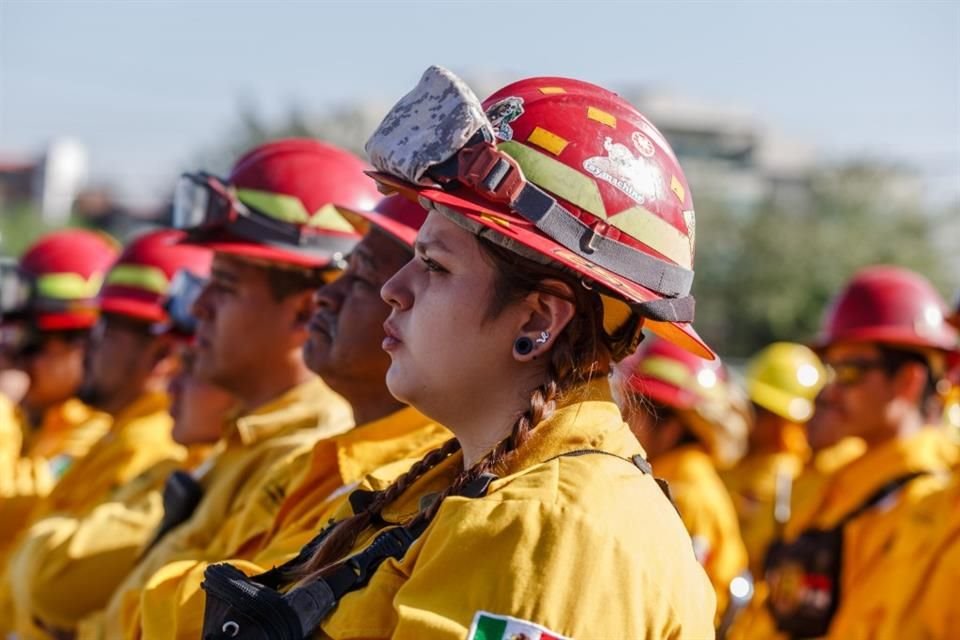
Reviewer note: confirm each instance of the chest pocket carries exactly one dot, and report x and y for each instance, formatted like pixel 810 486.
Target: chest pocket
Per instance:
pixel 804 575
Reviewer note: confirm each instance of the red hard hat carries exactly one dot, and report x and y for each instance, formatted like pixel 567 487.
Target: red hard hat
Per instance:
pixel 301 183
pixel 671 376
pixel 137 284
pixel 396 215
pixel 715 408
pixel 67 268
pixel 617 178
pixel 888 305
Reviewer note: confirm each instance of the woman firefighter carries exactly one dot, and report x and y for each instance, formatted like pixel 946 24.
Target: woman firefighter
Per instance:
pixel 558 228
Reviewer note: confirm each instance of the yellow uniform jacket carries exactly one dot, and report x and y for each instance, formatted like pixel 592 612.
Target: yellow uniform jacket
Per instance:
pixel 242 491
pixel 708 514
pixel 138 440
pixel 583 546
pixel 172 603
pixel 752 484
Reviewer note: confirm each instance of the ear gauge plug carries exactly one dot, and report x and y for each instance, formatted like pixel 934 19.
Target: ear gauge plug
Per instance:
pixel 523 345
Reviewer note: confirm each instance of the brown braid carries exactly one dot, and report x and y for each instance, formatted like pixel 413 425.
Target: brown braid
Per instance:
pixel 582 352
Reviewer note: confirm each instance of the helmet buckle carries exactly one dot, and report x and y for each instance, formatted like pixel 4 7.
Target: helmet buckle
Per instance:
pixel 492 173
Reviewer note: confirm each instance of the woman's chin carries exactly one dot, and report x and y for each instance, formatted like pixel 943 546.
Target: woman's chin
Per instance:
pixel 399 384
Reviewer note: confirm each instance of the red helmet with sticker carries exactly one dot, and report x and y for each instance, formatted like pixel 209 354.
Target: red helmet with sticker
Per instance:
pixel 64 271
pixel 892 306
pixel 712 405
pixel 279 204
pixel 623 215
pixel 137 284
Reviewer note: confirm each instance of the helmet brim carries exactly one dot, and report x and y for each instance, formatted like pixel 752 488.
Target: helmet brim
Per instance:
pixel 508 228
pixel 398 231
pixel 225 242
pixel 137 309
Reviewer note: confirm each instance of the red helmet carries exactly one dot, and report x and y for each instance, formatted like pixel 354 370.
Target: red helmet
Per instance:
pixel 608 199
pixel 64 270
pixel 397 216
pixel 714 407
pixel 137 284
pixel 888 305
pixel 279 204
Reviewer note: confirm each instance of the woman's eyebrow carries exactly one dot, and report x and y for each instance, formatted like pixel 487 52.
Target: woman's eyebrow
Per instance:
pixel 432 244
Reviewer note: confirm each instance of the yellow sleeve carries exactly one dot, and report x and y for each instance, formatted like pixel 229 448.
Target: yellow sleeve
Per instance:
pixel 67 567
pixel 240 508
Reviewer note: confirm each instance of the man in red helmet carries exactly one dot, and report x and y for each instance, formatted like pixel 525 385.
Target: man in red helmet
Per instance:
pixel 344 348
pixel 885 344
pixel 126 373
pixel 48 308
pixel 277 234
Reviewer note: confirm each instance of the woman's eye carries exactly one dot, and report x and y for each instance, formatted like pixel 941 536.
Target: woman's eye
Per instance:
pixel 432 265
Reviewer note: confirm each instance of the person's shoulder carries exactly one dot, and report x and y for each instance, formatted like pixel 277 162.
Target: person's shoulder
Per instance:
pixel 602 491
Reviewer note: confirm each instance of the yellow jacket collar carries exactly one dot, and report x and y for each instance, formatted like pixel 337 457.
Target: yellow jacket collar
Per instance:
pixel 299 407
pixel 372 441
pixel 928 450
pixel 150 402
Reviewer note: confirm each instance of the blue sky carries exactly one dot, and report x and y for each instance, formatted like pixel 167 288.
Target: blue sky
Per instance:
pixel 145 85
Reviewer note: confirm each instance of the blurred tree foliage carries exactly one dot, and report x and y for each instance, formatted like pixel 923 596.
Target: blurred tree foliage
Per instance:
pixel 769 274
pixel 763 274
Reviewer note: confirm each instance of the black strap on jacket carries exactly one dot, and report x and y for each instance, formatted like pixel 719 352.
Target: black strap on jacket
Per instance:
pixel 805 574
pixel 241 607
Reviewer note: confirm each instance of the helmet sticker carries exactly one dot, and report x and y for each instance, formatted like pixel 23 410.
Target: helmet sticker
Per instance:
pixel 502 112
pixel 631 175
pixel 643 144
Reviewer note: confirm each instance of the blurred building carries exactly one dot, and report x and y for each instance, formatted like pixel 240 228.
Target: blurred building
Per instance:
pixel 51 181
pixel 729 154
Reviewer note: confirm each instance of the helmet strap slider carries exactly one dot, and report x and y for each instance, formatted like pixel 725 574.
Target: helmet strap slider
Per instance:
pixel 596 233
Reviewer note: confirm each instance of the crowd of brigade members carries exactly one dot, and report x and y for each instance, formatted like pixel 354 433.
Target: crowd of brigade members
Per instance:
pixel 473 408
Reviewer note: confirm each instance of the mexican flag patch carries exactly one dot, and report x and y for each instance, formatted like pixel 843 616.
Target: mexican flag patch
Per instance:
pixel 487 626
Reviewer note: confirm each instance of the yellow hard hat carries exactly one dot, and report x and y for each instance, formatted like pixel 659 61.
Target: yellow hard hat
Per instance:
pixel 784 378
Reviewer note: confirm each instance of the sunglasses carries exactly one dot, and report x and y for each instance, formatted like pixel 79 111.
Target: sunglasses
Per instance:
pixel 847 373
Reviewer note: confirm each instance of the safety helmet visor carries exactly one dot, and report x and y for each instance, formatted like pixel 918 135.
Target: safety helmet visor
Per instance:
pixel 185 288
pixel 203 203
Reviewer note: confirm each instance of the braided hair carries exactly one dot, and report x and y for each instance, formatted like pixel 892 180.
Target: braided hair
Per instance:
pixel 583 351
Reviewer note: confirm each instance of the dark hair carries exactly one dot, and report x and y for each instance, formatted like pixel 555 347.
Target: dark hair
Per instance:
pixel 582 352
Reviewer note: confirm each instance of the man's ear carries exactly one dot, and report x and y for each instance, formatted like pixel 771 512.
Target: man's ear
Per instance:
pixel 910 382
pixel 548 314
pixel 165 357
pixel 304 304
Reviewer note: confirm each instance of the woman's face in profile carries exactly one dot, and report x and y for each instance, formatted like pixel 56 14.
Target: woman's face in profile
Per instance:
pixel 445 347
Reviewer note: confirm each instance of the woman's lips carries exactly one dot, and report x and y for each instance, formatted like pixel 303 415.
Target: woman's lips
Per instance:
pixel 392 339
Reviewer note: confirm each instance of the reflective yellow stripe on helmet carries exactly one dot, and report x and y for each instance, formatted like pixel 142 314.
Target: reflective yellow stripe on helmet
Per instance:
pixel 139 276
pixel 68 286
pixel 290 209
